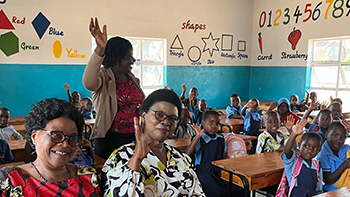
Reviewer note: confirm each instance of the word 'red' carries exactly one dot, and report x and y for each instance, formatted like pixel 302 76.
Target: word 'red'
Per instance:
pixel 188 25
pixel 75 54
pixel 18 21
pixel 54 32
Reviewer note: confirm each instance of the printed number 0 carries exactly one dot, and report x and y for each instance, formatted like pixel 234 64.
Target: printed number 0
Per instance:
pixel 262 13
pixel 338 8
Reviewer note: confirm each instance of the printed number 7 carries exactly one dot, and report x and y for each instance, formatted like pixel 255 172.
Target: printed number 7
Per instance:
pixel 329 6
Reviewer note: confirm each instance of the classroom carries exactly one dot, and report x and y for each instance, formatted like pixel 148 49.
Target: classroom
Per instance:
pixel 264 49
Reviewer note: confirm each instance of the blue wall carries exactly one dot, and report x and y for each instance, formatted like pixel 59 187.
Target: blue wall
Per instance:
pixel 275 82
pixel 23 84
pixel 214 83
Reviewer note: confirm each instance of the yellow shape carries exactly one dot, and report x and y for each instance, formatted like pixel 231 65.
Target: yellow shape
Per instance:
pixel 57 49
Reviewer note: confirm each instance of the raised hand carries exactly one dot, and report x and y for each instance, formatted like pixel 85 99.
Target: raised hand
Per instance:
pixel 100 37
pixel 142 147
pixel 298 128
pixel 184 88
pixel 313 106
pixel 273 105
pixel 324 105
pixel 346 124
pixel 197 129
pixel 289 122
pixel 250 104
pixel 66 86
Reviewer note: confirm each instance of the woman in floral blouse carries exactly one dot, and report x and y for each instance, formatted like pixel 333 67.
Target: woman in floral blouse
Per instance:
pixel 151 167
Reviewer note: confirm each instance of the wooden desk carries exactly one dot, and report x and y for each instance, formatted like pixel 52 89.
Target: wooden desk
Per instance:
pixel 253 171
pixel 342 192
pixel 235 124
pixel 20 129
pixel 17 147
pixel 90 122
pixel 180 144
pixel 16 120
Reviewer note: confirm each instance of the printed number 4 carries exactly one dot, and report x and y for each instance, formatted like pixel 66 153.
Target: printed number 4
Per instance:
pixel 297 13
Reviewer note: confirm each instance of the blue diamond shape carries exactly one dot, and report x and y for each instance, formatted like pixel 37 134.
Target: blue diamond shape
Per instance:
pixel 40 24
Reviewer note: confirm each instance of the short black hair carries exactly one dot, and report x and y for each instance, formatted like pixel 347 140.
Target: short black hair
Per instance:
pixel 115 51
pixel 311 135
pixel 334 125
pixel 315 121
pixel 159 96
pixel 85 99
pixel 48 109
pixel 256 100
pixel 234 95
pixel 208 113
pixel 4 109
pixel 266 115
pixel 336 103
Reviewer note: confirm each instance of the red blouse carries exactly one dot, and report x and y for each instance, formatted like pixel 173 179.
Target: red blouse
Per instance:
pixel 129 98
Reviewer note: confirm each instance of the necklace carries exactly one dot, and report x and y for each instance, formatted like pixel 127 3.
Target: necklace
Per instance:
pixel 37 171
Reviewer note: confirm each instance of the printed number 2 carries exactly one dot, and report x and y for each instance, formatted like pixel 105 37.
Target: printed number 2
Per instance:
pixel 279 11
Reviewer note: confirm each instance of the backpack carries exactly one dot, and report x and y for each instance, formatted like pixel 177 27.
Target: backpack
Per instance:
pixel 235 146
pixel 283 190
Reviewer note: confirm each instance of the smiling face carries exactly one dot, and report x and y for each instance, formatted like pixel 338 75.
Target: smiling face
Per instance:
pixel 76 96
pixel 159 130
pixel 193 93
pixel 202 105
pixel 336 138
pixel 51 154
pixel 313 97
pixel 235 101
pixel 88 105
pixel 211 125
pixel 4 118
pixel 272 123
pixel 185 116
pixel 309 148
pixel 125 65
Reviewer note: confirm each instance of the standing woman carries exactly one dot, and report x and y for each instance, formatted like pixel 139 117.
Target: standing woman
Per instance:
pixel 116 92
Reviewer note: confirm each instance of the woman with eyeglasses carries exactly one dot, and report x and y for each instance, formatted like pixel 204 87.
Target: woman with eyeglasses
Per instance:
pixel 150 167
pixel 53 128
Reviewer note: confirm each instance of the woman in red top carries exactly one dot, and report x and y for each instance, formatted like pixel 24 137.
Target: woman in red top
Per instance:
pixel 53 128
pixel 116 92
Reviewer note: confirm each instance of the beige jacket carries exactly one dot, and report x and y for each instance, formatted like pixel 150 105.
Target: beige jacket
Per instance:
pixel 101 82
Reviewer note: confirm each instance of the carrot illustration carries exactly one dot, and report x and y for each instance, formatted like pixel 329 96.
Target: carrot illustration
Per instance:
pixel 260 42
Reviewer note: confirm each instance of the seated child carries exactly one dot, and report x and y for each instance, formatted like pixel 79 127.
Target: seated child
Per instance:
pixel 324 119
pixel 208 146
pixel 313 98
pixel 234 110
pixel 295 106
pixel 336 109
pixel 87 107
pixel 306 182
pixel 84 155
pixel 74 98
pixel 5 152
pixel 339 100
pixel 192 101
pixel 283 108
pixel 184 129
pixel 197 113
pixel 6 131
pixel 252 121
pixel 334 156
pixel 271 139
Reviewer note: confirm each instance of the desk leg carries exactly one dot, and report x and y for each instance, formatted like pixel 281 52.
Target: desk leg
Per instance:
pixel 244 181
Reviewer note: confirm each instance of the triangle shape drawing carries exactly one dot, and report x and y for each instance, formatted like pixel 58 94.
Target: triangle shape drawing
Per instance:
pixel 5 22
pixel 176 43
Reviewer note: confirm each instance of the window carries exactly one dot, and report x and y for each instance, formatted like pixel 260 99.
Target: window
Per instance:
pixel 330 69
pixel 150 61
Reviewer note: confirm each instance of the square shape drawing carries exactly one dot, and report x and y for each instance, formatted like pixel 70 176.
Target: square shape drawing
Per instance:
pixel 241 46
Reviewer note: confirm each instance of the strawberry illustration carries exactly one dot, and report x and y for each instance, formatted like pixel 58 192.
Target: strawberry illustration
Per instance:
pixel 294 37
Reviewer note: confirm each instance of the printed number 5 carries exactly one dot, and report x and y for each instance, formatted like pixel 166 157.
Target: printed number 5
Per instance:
pixel 307 10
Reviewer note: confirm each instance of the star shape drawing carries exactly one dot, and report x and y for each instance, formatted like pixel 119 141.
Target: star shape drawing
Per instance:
pixel 210 44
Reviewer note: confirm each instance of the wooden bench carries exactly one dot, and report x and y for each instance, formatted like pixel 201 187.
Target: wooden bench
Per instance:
pixel 17 120
pixel 342 192
pixel 17 147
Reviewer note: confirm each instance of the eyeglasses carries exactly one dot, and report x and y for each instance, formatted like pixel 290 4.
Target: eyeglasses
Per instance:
pixel 160 116
pixel 58 137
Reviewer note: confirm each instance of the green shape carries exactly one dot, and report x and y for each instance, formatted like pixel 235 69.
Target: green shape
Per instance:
pixel 9 43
